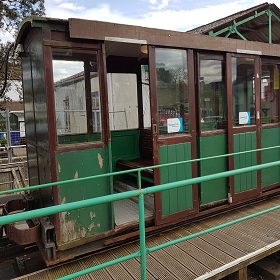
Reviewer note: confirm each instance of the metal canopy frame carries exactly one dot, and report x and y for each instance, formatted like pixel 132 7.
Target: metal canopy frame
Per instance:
pixel 232 29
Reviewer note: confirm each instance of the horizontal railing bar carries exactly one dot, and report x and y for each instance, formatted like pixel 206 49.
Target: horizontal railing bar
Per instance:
pixel 172 242
pixel 53 184
pixel 101 266
pixel 128 194
pixel 212 229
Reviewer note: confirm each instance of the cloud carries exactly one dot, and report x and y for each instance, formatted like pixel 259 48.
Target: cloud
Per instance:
pixel 71 7
pixel 164 3
pixel 163 16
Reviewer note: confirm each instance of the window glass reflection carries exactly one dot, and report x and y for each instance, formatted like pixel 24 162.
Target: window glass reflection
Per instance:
pixel 212 95
pixel 270 93
pixel 243 91
pixel 172 91
pixel 77 96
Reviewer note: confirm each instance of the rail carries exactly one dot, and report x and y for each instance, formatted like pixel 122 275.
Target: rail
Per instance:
pixel 139 193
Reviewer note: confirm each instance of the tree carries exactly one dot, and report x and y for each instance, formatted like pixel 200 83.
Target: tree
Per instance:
pixel 12 12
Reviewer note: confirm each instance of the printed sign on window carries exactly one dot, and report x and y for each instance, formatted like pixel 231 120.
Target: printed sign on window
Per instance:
pixel 244 117
pixel 174 125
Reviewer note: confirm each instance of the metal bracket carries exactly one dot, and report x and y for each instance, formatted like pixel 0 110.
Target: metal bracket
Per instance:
pixel 48 237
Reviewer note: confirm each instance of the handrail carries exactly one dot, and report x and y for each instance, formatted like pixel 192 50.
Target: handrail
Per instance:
pixel 140 194
pixel 129 171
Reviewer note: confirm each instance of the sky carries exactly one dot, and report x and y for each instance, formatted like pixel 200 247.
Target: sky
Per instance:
pixel 179 15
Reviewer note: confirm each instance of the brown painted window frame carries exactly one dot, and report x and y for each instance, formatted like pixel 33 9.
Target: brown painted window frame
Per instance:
pixel 183 137
pixel 100 50
pixel 269 61
pixel 251 127
pixel 214 56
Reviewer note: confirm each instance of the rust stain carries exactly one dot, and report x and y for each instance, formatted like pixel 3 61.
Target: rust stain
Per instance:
pixel 76 175
pixel 100 160
pixel 92 215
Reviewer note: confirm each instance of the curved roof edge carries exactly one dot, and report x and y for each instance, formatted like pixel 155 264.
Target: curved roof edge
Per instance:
pixel 31 22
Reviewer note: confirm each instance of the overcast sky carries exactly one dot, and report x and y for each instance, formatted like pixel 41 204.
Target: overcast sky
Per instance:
pixel 178 15
pixel 166 14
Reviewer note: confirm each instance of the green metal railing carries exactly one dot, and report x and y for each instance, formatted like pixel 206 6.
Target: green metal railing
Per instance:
pixel 140 193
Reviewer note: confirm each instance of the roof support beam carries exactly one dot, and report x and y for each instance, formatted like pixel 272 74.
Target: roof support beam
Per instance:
pixel 232 29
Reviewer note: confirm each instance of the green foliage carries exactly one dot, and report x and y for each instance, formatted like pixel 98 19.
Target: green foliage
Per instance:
pixel 12 12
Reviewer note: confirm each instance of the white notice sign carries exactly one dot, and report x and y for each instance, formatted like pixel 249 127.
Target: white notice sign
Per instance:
pixel 174 125
pixel 244 117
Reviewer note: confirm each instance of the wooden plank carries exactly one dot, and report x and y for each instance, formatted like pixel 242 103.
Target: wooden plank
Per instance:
pixel 17 184
pixel 206 247
pixel 242 262
pixel 22 177
pixel 132 266
pixel 190 264
pixel 220 244
pixel 195 252
pixel 117 272
pixel 155 265
pixel 91 261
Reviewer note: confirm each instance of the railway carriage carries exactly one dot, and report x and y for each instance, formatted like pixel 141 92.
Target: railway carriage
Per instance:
pixel 101 97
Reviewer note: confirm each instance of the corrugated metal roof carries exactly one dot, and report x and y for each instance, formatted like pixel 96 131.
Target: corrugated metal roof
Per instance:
pixel 256 29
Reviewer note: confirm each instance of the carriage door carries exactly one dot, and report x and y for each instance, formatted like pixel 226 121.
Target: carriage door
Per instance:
pixel 212 127
pixel 173 125
pixel 81 141
pixel 244 122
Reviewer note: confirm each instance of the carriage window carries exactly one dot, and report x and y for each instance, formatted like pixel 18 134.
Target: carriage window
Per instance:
pixel 123 105
pixel 212 95
pixel 172 91
pixel 77 96
pixel 243 91
pixel 270 93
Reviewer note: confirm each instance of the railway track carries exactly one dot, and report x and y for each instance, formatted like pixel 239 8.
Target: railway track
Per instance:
pixel 17 260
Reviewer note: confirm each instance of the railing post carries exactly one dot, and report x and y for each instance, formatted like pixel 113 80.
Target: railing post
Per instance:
pixel 9 141
pixel 141 210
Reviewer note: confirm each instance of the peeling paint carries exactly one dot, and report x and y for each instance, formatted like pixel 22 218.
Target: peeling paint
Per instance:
pixel 67 228
pixel 91 226
pixel 58 167
pixel 98 225
pixel 76 175
pixel 83 232
pixel 92 215
pixel 100 161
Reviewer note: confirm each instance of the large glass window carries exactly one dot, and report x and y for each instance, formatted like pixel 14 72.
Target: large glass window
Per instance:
pixel 270 92
pixel 243 91
pixel 172 91
pixel 123 103
pixel 76 95
pixel 212 95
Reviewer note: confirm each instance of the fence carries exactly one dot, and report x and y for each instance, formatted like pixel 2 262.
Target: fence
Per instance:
pixel 12 146
pixel 139 193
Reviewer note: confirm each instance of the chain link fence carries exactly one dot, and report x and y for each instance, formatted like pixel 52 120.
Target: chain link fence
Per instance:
pixel 12 148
